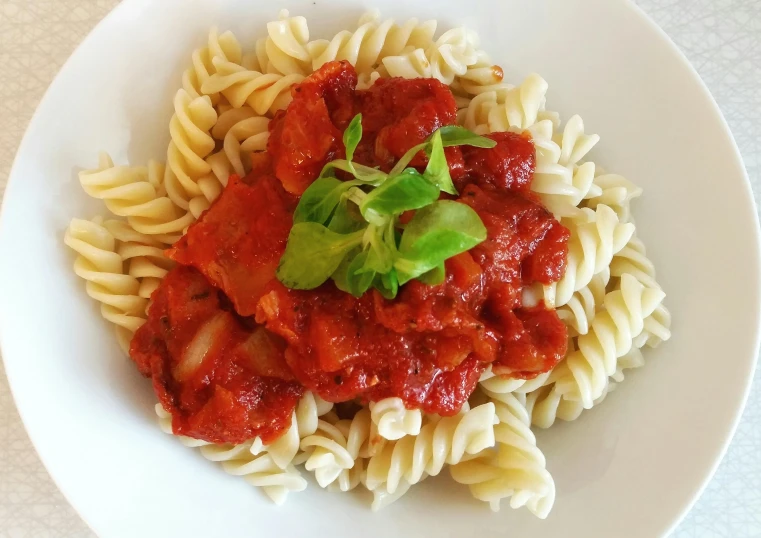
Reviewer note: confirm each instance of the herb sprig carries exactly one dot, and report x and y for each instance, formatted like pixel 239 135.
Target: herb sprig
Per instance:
pixel 350 231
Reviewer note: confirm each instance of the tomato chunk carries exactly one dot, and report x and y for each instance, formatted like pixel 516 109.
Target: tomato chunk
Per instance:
pixel 223 379
pixel 237 243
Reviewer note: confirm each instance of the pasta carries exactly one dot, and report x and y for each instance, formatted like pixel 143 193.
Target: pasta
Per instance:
pixel 191 142
pixel 516 469
pixel 101 266
pixel 258 470
pixel 265 93
pixel 137 193
pixel 595 239
pixel 608 298
pixel 610 337
pixel 393 420
pixel 372 43
pixel 440 441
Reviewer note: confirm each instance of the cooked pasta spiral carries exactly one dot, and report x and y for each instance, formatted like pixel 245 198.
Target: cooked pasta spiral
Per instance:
pixel 616 192
pixel 516 469
pixel 361 443
pixel 372 42
pixel 101 266
pixel 325 452
pixel 610 337
pixel 594 241
pixel 574 142
pixel 393 420
pixel 304 422
pixel 143 254
pixel 191 142
pixel 265 93
pixel 137 194
pixel 219 46
pixel 579 312
pixel 441 440
pixel 284 50
pixel 243 132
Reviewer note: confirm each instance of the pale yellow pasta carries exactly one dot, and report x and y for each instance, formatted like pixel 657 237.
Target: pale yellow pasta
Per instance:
pixel 516 469
pixel 372 42
pixel 101 266
pixel 266 93
pixel 596 237
pixel 284 50
pixel 138 194
pixel 218 46
pixel 393 420
pixel 441 441
pixel 188 184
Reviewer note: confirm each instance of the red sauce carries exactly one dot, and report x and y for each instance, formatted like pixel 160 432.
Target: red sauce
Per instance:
pixel 428 346
pixel 223 378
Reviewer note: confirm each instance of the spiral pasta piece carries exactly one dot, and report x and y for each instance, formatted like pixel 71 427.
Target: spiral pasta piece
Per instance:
pixel 137 193
pixel 574 142
pixel 393 420
pixel 325 453
pixel 361 443
pixel 372 42
pixel 191 142
pixel 102 268
pixel 243 132
pixel 260 470
pixel 265 93
pixel 143 254
pixel 516 469
pixel 441 441
pixel 218 46
pixel 610 337
pixel 284 50
pixel 614 191
pixel 579 312
pixel 594 241
pixel 304 422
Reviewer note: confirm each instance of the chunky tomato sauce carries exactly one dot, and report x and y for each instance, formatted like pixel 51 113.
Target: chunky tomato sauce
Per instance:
pixel 230 349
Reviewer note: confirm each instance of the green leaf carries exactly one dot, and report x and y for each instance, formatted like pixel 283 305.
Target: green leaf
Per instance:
pixel 408 190
pixel 437 171
pixel 320 199
pixel 436 233
pixel 352 136
pixel 435 276
pixel 407 158
pixel 346 218
pixel 454 135
pixel 379 256
pixel 365 174
pixel 312 255
pixel 348 276
pixel 387 284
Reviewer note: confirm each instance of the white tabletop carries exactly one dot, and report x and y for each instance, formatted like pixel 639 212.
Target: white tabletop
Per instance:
pixel 722 38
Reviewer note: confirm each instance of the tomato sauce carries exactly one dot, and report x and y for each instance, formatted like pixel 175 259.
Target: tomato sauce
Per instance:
pixel 223 379
pixel 266 343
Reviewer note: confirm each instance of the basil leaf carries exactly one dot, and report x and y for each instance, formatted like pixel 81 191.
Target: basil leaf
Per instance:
pixel 436 233
pixel 454 135
pixel 408 190
pixel 387 284
pixel 365 174
pixel 437 171
pixel 312 255
pixel 320 199
pixel 435 276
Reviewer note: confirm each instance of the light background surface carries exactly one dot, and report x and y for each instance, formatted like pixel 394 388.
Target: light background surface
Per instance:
pixel 722 39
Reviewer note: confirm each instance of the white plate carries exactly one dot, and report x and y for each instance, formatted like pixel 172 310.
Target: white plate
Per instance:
pixel 629 468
